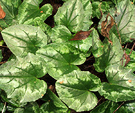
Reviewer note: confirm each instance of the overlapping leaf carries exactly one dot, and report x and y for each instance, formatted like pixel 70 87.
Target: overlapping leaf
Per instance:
pixel 97 45
pixel 111 54
pixel 32 107
pixel 11 10
pixel 75 88
pixel 53 104
pixel 19 78
pixel 61 34
pixel 74 15
pixel 61 58
pixel 22 39
pixel 30 13
pixel 109 107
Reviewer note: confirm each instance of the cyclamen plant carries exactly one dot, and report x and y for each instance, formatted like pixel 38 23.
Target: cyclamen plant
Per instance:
pixel 39 50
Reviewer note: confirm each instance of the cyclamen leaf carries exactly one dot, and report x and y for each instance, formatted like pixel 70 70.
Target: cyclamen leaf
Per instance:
pixel 72 15
pixel 125 20
pixel 53 104
pixel 74 89
pixel 29 12
pixel 121 84
pixel 109 107
pixel 97 45
pixel 32 107
pixel 24 39
pixel 61 58
pixel 19 78
pixel 111 54
pixel 61 34
pixel 130 106
pixel 10 7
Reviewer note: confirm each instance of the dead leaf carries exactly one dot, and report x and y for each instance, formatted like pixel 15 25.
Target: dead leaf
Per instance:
pixel 2 13
pixel 81 35
pixel 106 27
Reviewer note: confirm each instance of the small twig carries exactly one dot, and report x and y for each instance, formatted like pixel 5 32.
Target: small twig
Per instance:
pixel 3 46
pixel 89 58
pixel 3 108
pixel 2 62
pixel 132 49
pixel 118 107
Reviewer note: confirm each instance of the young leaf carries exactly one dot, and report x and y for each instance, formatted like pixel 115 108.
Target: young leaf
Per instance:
pixel 53 104
pixel 24 39
pixel 19 78
pixel 72 15
pixel 74 89
pixel 61 58
pixel 60 34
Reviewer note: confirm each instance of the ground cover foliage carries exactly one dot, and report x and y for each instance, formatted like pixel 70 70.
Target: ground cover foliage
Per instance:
pixel 67 56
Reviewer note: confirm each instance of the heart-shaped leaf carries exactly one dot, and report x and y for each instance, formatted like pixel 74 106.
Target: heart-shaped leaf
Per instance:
pixel 24 39
pixel 19 78
pixel 75 88
pixel 61 58
pixel 72 15
pixel 60 34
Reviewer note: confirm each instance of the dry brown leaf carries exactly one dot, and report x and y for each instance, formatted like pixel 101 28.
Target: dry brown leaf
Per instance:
pixel 81 35
pixel 106 27
pixel 2 13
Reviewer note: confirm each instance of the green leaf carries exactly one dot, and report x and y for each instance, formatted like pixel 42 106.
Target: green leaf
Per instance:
pixel 19 78
pixel 30 13
pixel 109 107
pixel 1 55
pixel 97 49
pixel 111 54
pixel 87 6
pixel 61 34
pixel 130 106
pixel 121 84
pixel 29 108
pixel 124 17
pixel 61 58
pixel 131 64
pixel 10 7
pixel 24 39
pixel 72 15
pixel 54 104
pixel 75 88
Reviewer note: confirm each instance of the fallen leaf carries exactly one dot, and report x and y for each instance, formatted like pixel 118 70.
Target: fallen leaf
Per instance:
pixel 81 35
pixel 2 13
